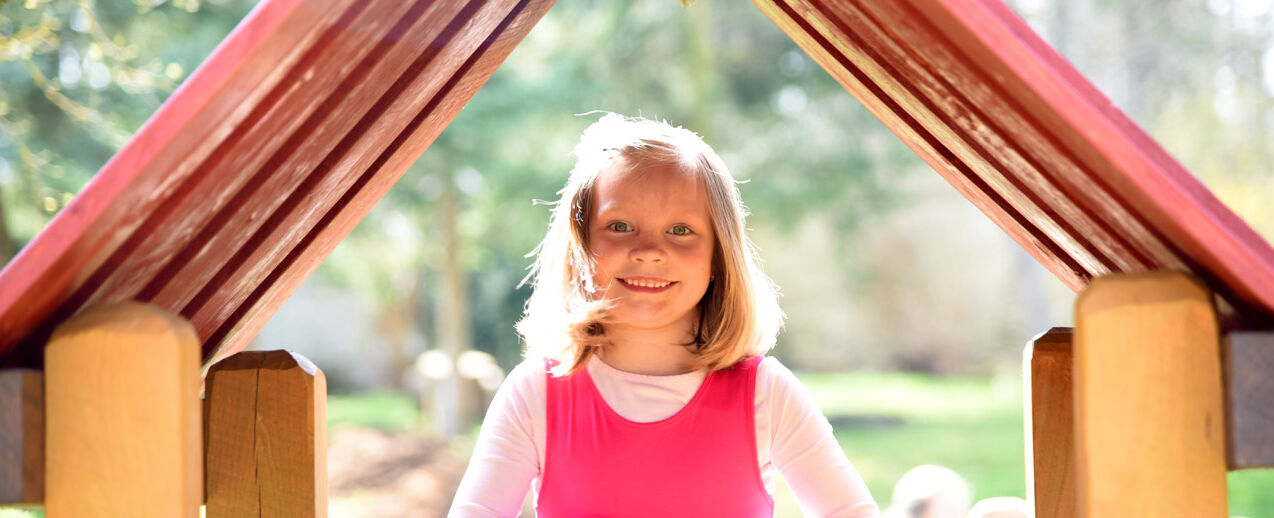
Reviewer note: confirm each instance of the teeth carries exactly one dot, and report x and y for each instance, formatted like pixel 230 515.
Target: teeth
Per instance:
pixel 647 284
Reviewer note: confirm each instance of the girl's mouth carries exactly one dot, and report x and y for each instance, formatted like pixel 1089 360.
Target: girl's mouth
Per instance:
pixel 641 285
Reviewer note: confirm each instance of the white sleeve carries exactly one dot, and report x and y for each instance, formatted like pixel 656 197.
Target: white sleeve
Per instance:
pixel 806 453
pixel 505 459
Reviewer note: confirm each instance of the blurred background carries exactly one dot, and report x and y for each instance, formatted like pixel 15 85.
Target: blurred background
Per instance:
pixel 907 309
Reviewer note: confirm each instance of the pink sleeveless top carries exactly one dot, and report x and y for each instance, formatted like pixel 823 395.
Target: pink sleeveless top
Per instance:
pixel 702 461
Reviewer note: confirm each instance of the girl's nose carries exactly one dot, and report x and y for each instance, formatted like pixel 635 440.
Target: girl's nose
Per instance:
pixel 648 252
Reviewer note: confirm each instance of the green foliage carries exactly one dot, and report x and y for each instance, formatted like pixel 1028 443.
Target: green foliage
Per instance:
pixel 77 78
pixel 388 411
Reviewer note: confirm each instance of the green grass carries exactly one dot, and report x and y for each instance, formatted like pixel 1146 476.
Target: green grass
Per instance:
pixel 1252 493
pixel 888 423
pixel 974 426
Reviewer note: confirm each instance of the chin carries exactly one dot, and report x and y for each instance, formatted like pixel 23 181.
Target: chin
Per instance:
pixel 639 319
pixel 646 318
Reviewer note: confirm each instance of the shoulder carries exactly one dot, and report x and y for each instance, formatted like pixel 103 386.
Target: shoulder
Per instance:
pixel 771 373
pixel 519 402
pixel 528 368
pixel 778 388
pixel 525 383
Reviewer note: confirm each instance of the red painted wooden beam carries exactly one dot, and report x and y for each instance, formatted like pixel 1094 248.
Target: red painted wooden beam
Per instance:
pixel 265 158
pixel 1007 121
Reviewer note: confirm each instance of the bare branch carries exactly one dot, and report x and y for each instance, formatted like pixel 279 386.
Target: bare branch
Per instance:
pixel 28 41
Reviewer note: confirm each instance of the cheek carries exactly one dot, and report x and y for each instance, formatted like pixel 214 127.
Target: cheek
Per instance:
pixel 604 257
pixel 697 256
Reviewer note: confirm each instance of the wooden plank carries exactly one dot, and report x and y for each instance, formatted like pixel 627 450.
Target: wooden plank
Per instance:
pixel 1149 411
pixel 230 410
pixel 21 437
pixel 1050 424
pixel 1225 251
pixel 882 40
pixel 122 414
pixel 254 168
pixel 321 157
pixel 266 296
pixel 292 416
pixel 267 436
pixel 256 197
pixel 971 89
pixel 803 24
pixel 138 179
pixel 1249 394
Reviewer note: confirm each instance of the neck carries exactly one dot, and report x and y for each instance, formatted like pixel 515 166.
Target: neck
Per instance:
pixel 650 352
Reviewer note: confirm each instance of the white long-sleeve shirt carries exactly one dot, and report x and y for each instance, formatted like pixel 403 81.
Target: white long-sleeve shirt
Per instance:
pixel 793 438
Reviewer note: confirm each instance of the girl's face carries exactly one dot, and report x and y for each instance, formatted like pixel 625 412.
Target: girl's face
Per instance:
pixel 652 238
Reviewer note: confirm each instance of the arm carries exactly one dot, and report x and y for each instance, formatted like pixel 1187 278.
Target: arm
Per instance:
pixel 805 452
pixel 505 458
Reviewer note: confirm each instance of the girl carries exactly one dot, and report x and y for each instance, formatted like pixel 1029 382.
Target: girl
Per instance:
pixel 645 391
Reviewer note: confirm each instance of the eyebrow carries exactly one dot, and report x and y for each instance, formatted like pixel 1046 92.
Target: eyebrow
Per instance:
pixel 693 220
pixel 621 208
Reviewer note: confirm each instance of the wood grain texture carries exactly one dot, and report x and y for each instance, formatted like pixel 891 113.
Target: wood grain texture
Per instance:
pixel 1249 392
pixel 804 25
pixel 274 131
pixel 37 285
pixel 1050 422
pixel 230 410
pixel 1149 412
pixel 971 88
pixel 122 414
pixel 289 134
pixel 267 436
pixel 21 437
pixel 427 123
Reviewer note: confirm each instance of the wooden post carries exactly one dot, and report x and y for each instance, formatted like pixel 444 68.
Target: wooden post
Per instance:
pixel 122 409
pixel 1050 435
pixel 267 436
pixel 1149 417
pixel 21 437
pixel 1249 392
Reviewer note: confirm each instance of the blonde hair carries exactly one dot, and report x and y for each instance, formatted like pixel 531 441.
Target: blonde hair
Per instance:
pixel 562 323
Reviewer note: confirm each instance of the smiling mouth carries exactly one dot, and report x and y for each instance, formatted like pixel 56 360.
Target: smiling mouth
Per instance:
pixel 646 284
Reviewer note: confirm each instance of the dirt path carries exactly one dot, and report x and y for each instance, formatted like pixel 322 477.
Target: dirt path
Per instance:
pixel 376 474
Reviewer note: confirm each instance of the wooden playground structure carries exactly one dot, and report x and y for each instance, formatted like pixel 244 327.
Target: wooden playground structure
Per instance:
pixel 150 283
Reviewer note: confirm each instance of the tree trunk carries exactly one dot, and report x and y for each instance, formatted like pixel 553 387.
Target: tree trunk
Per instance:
pixel 703 69
pixel 454 338
pixel 397 321
pixel 7 248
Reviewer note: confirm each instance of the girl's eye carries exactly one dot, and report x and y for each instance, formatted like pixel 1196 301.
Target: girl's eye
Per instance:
pixel 620 226
pixel 679 230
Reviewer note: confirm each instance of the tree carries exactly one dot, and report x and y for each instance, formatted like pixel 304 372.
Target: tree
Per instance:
pixel 77 78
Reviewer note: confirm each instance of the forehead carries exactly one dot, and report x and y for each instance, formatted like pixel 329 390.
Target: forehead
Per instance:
pixel 659 188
